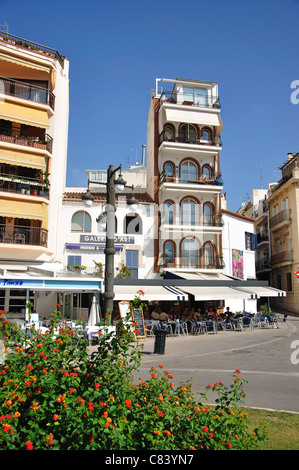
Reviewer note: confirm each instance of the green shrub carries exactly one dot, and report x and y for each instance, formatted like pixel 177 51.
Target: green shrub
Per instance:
pixel 56 394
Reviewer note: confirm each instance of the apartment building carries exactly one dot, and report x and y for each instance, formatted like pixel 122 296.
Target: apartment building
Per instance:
pixel 184 178
pixel 283 201
pixel 34 112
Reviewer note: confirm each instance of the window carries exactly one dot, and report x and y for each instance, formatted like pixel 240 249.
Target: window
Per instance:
pixel 207 215
pixel 81 222
pixel 168 253
pixel 168 208
pixel 208 255
pixel 250 241
pixel 206 135
pixel 195 95
pixel 189 212
pixel 168 132
pixel 168 169
pixel 278 280
pixel 189 254
pixel 207 172
pixel 73 261
pixel 133 224
pixel 289 282
pixel 132 263
pixel 188 133
pixel 189 172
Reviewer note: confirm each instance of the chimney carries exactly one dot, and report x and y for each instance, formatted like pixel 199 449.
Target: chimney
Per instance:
pixel 290 155
pixel 143 154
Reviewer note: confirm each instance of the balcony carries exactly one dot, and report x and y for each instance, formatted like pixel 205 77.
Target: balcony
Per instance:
pixel 187 263
pixel 203 101
pixel 27 91
pixel 262 236
pixel 262 264
pixel 28 186
pixel 283 216
pixel 23 235
pixel 283 257
pixel 215 181
pixel 8 134
pixel 29 45
pixel 164 137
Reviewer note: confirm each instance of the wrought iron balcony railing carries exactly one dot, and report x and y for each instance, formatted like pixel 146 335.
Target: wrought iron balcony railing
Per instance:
pixel 33 46
pixel 27 91
pixel 280 217
pixel 7 134
pixel 22 235
pixel 282 257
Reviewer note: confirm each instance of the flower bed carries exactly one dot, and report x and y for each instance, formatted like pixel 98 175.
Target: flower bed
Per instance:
pixel 56 394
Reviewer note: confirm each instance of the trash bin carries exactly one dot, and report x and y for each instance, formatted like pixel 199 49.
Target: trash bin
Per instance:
pixel 160 339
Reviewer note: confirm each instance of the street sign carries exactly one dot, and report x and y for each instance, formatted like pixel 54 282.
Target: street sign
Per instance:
pixel 297 274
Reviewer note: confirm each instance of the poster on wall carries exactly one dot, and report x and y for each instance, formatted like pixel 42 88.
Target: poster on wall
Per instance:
pixel 237 264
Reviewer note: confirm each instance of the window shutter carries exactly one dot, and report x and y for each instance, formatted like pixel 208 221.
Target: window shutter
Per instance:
pixel 253 242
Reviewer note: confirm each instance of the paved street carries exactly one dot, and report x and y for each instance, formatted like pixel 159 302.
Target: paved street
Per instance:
pixel 263 356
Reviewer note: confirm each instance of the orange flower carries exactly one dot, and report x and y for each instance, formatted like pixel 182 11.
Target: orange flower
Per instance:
pixel 167 432
pixel 55 417
pixel 157 432
pixel 35 406
pixel 8 403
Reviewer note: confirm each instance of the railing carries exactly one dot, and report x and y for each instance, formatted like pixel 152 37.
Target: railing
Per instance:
pixel 281 257
pixel 27 91
pixel 262 236
pixel 7 135
pixel 22 235
pixel 217 180
pixel 33 46
pixel 164 137
pixel 192 262
pixel 280 217
pixel 23 185
pixel 262 264
pixel 202 101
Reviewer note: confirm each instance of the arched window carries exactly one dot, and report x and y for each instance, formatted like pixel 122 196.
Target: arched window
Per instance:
pixel 189 253
pixel 207 172
pixel 189 171
pixel 168 213
pixel 207 214
pixel 168 132
pixel 188 133
pixel 81 222
pixel 169 254
pixel 208 255
pixel 133 224
pixel 168 169
pixel 189 213
pixel 206 135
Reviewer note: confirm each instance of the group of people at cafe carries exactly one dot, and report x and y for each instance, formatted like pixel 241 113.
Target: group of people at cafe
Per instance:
pixel 157 313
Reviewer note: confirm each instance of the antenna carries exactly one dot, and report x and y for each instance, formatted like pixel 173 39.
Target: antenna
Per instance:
pixel 5 26
pixel 132 150
pixel 261 169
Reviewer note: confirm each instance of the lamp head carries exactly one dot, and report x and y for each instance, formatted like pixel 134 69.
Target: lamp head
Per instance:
pixel 87 198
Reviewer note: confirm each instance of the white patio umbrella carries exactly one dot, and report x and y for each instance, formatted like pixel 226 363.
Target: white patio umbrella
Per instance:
pixel 94 315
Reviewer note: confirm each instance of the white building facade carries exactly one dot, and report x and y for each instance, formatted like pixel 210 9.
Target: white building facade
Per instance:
pixel 184 177
pixel 239 248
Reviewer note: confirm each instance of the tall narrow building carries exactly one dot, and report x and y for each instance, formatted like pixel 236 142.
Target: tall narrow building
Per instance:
pixel 184 176
pixel 34 112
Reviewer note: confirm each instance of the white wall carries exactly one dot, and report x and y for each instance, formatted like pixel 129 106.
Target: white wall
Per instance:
pixel 143 242
pixel 233 237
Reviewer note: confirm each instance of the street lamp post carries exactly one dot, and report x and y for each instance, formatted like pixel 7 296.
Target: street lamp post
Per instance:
pixel 109 251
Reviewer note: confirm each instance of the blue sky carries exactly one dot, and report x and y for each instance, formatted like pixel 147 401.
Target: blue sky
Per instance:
pixel 117 50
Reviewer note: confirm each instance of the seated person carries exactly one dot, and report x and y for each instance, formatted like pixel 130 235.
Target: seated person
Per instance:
pixel 163 316
pixel 155 315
